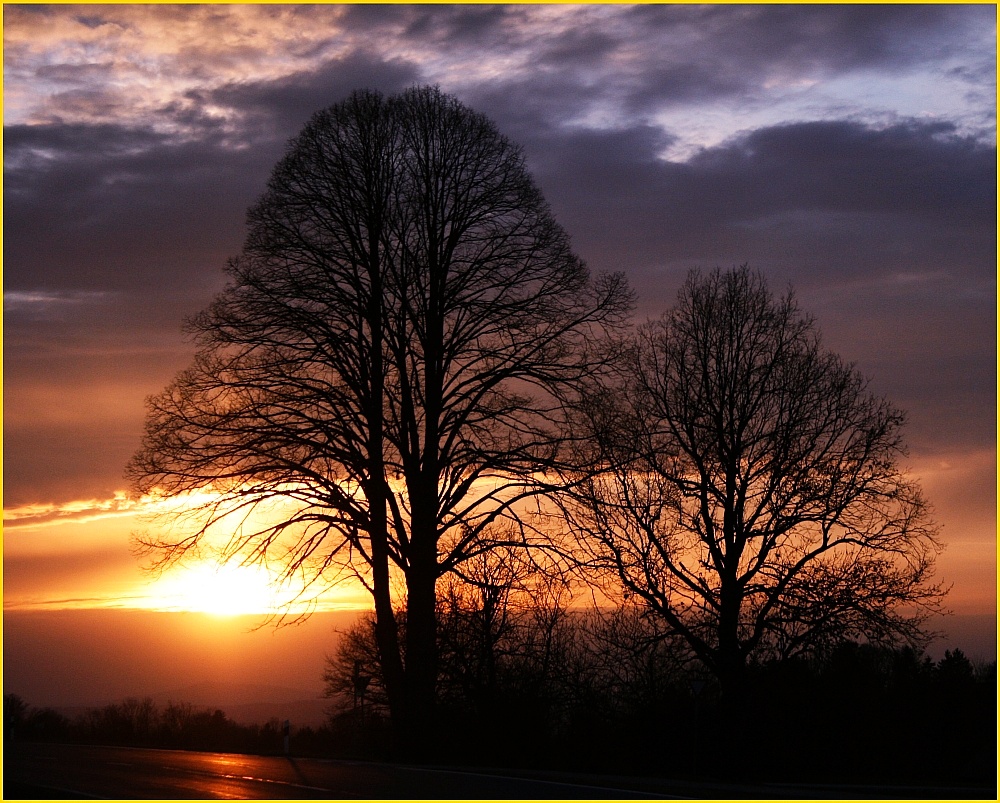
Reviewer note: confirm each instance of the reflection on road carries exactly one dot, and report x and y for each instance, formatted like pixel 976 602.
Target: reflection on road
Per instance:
pixel 112 772
pixel 77 771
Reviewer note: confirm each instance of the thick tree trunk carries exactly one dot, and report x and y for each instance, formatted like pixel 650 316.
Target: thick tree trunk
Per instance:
pixel 386 627
pixel 422 570
pixel 731 672
pixel 387 632
pixel 421 647
pixel 731 659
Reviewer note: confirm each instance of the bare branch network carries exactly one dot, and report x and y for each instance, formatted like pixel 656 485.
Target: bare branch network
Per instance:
pixel 408 358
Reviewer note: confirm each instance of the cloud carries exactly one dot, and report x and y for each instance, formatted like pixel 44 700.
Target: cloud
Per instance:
pixel 845 149
pixel 912 168
pixel 285 104
pixel 157 52
pixel 41 304
pixel 763 42
pixel 486 27
pixel 96 208
pixel 99 206
pixel 710 65
pixel 916 194
pixel 35 515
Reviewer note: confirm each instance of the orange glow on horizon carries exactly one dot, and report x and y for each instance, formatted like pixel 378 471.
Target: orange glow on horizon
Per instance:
pixel 77 553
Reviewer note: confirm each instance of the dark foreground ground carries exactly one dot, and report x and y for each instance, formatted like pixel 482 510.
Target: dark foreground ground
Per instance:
pixel 57 771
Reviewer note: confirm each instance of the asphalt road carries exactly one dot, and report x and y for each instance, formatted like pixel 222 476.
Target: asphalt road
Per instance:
pixel 79 771
pixel 56 771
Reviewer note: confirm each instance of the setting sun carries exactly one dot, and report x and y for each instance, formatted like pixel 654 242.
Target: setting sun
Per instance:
pixel 226 590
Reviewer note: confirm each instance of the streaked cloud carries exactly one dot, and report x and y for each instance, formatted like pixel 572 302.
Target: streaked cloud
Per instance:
pixel 87 510
pixel 41 302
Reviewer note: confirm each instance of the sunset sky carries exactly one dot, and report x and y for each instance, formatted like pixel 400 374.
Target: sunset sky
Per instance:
pixel 847 150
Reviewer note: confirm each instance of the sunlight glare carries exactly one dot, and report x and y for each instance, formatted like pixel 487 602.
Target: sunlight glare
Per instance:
pixel 226 590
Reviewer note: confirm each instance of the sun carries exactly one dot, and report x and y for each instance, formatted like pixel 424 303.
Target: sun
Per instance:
pixel 222 590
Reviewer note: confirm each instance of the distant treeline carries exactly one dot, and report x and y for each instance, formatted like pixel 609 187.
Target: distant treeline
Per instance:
pixel 139 722
pixel 863 713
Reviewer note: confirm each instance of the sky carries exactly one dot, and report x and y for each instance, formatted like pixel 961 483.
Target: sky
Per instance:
pixel 846 150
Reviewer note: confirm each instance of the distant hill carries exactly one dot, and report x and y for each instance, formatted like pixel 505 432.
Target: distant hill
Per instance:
pixel 250 703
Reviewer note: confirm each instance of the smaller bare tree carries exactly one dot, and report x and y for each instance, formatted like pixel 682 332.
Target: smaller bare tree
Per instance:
pixel 749 490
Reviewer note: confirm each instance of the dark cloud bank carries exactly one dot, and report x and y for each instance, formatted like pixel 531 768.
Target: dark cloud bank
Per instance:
pixel 887 229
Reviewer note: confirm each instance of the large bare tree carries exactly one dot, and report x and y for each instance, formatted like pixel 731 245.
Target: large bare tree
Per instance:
pixel 750 491
pixel 386 367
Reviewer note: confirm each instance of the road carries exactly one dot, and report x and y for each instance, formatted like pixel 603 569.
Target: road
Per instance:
pixel 59 771
pixel 85 771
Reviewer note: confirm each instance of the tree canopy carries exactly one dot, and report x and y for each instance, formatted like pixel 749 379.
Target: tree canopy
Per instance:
pixel 750 493
pixel 389 362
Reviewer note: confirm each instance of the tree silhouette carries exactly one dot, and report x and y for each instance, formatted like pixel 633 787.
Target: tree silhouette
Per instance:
pixel 751 495
pixel 386 367
pixel 507 649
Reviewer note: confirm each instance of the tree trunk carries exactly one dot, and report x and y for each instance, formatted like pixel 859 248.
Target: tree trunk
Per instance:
pixel 731 659
pixel 387 631
pixel 421 644
pixel 731 672
pixel 377 492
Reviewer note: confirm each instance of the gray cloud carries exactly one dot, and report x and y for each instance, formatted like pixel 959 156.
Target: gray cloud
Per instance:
pixel 470 25
pixel 766 38
pixel 647 58
pixel 886 229
pixel 101 207
pixel 911 167
pixel 283 106
pixel 919 190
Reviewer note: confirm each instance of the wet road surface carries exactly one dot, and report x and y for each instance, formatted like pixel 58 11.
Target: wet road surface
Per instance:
pixel 58 771
pixel 80 771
